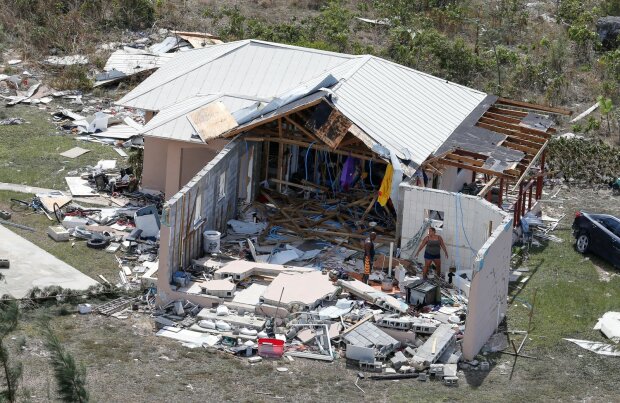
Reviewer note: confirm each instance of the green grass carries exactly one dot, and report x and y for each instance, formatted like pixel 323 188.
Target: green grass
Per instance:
pixel 30 153
pixel 570 297
pixel 89 261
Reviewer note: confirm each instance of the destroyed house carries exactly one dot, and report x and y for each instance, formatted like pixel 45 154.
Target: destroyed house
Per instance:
pixel 333 146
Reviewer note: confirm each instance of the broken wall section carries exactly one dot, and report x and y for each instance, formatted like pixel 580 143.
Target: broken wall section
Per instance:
pixel 489 289
pixel 468 222
pixel 478 236
pixel 207 202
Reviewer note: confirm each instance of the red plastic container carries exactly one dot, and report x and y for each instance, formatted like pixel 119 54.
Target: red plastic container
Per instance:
pixel 270 348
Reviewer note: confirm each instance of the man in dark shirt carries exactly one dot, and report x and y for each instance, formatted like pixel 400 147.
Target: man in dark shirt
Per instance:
pixel 369 255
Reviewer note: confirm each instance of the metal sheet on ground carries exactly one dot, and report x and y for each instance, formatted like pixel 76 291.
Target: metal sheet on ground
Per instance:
pixel 79 186
pixel 74 152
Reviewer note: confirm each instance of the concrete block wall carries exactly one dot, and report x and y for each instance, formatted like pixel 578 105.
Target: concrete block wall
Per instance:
pixel 181 235
pixel 466 222
pixel 489 289
pixel 484 257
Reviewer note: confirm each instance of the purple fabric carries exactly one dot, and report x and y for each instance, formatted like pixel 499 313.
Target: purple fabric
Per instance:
pixel 348 173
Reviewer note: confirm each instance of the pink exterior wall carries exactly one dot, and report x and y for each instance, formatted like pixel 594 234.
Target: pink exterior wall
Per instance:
pixel 170 164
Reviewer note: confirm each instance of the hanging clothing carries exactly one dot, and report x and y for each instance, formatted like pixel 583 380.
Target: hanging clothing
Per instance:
pixel 386 186
pixel 348 173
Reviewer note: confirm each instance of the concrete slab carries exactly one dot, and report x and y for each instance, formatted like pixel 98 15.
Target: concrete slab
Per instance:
pixel 31 267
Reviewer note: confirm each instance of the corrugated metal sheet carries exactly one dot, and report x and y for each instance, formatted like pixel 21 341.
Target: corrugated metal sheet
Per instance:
pixel 404 109
pixel 249 68
pixel 134 61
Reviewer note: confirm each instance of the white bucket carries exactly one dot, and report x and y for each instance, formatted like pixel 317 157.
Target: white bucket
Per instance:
pixel 211 241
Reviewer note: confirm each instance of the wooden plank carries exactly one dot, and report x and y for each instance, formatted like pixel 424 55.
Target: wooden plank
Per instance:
pixel 542 149
pixel 280 171
pixel 334 129
pixel 487 187
pixel 535 107
pixel 282 182
pixel 284 213
pixel 474 162
pixel 512 143
pixel 507 112
pixel 503 118
pixel 302 129
pixel 513 134
pixel 525 132
pixel 318 147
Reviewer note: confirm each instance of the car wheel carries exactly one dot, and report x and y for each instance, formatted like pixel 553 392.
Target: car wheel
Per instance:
pixel 583 243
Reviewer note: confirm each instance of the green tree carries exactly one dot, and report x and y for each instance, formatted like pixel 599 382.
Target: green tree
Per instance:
pixel 9 318
pixel 70 378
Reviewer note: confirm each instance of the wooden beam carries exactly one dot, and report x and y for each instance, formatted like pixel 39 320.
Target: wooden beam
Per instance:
pixel 475 169
pixel 280 172
pixel 542 149
pixel 302 129
pixel 349 141
pixel 507 112
pixel 498 127
pixel 456 157
pixel 488 186
pixel 503 118
pixel 319 147
pixel 309 188
pixel 511 143
pixel 531 134
pixel 532 148
pixel 245 128
pixel 284 213
pixel 535 107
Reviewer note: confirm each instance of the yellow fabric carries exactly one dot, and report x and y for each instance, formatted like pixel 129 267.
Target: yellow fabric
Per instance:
pixel 386 186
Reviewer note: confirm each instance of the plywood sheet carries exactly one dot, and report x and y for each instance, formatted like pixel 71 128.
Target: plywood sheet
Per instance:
pixel 334 129
pixel 74 152
pixel 79 186
pixel 212 120
pixel 49 201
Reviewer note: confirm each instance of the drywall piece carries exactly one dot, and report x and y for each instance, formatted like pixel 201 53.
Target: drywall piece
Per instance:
pixel 249 321
pixel 79 187
pixel 212 120
pixel 189 336
pixel 247 228
pixel 106 165
pixel 283 257
pixel 307 289
pixel 147 219
pixel 240 270
pixel 74 152
pixel 121 152
pixel 609 324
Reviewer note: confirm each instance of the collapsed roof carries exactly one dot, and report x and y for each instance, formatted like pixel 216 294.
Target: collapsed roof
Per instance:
pixel 402 111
